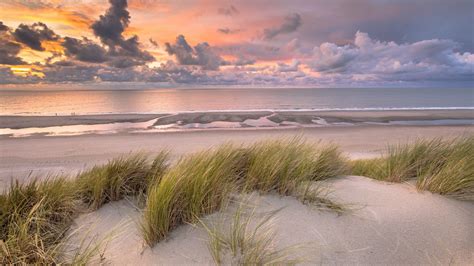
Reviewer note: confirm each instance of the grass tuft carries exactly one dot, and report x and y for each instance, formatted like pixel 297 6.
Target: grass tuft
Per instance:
pixel 196 185
pixel 439 166
pixel 124 176
pixel 453 173
pixel 247 238
pixel 34 217
pixel 283 165
pixel 317 195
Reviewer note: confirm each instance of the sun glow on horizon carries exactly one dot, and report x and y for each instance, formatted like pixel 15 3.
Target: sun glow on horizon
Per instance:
pixel 26 70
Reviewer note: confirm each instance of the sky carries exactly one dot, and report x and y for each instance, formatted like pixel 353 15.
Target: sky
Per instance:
pixel 317 43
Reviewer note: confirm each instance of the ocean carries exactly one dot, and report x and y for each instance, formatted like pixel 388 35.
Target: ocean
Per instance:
pixel 169 100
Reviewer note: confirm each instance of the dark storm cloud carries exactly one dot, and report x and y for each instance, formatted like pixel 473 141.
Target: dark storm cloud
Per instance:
pixel 9 49
pixel 291 23
pixel 84 50
pixel 201 55
pixel 228 31
pixel 33 35
pixel 3 27
pixel 182 50
pixel 131 48
pixel 109 27
pixel 228 11
pixel 9 52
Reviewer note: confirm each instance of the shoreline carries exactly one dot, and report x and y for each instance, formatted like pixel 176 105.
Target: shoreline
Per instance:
pixel 22 158
pixel 301 117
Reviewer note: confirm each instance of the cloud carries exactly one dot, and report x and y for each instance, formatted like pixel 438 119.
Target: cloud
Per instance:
pixel 7 77
pixel 228 31
pixel 243 61
pixel 153 42
pixel 84 50
pixel 9 50
pixel 110 27
pixel 290 24
pixel 228 11
pixel 33 35
pixel 367 58
pixel 293 67
pixel 260 51
pixel 201 55
pixel 3 27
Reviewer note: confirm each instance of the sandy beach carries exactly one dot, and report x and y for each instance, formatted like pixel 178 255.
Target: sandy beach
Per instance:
pixel 36 155
pixel 302 117
pixel 241 133
pixel 386 223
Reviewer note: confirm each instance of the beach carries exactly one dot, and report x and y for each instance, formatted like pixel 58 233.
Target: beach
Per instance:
pixel 277 116
pixel 28 156
pixel 245 133
pixel 383 222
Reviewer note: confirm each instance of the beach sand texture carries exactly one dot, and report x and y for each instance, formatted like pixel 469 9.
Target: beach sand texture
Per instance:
pixel 23 158
pixel 389 224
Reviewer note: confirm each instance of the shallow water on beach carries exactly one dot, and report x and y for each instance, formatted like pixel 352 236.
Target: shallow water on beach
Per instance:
pixel 248 124
pixel 118 101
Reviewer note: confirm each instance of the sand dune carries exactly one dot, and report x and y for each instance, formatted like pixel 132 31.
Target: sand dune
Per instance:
pixel 389 224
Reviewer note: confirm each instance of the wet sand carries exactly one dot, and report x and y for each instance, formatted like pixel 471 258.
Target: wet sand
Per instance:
pixel 303 117
pixel 17 122
pixel 37 155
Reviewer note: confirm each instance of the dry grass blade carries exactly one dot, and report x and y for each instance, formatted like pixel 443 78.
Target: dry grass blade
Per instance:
pixel 247 238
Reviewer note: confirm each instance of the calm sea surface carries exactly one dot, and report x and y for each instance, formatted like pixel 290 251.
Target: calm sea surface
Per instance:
pixel 63 102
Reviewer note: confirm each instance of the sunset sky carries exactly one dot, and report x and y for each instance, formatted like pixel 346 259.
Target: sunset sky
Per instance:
pixel 251 43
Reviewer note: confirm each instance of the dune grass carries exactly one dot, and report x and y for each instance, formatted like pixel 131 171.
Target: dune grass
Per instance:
pixel 123 176
pixel 199 183
pixel 35 217
pixel 402 162
pixel 453 173
pixel 196 185
pixel 246 238
pixel 440 166
pixel 284 165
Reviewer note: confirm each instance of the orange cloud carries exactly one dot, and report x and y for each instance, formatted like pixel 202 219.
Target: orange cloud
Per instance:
pixel 27 70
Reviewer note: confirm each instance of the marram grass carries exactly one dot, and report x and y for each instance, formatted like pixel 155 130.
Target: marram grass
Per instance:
pixel 283 165
pixel 453 173
pixel 246 237
pixel 198 184
pixel 441 166
pixel 35 217
pixel 120 177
